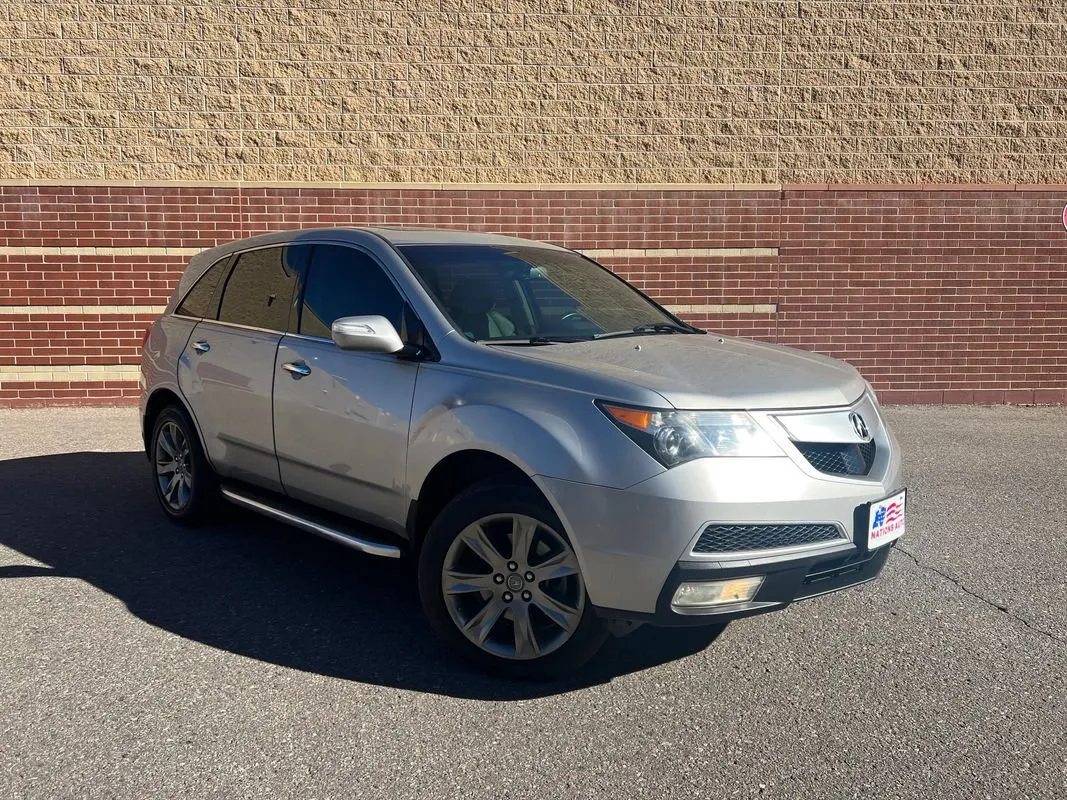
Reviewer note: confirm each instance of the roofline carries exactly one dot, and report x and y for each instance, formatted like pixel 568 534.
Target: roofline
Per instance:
pixel 394 237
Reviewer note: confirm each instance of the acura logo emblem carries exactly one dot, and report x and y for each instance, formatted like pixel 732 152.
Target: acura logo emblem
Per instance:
pixel 859 426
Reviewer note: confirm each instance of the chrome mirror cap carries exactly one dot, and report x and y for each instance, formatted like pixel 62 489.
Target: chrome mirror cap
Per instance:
pixel 369 334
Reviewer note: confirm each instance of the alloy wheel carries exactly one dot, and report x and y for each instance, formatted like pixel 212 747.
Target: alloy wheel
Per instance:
pixel 174 466
pixel 512 586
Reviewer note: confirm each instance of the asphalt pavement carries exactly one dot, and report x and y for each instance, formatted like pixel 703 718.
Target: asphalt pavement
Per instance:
pixel 248 660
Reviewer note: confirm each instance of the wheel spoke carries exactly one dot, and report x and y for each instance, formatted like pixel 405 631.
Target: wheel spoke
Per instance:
pixel 560 613
pixel 558 566
pixel 166 467
pixel 474 537
pixel 522 536
pixel 526 645
pixel 481 624
pixel 183 492
pixel 166 444
pixel 172 487
pixel 457 582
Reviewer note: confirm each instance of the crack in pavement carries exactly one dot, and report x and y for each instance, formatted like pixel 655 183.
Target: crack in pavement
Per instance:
pixel 991 603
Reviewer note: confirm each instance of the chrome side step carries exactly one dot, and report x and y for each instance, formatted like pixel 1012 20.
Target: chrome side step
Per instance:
pixel 319 529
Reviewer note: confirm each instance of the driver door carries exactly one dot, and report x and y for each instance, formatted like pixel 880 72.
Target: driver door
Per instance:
pixel 341 418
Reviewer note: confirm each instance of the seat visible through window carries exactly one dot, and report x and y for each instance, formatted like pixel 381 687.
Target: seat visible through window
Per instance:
pixel 472 303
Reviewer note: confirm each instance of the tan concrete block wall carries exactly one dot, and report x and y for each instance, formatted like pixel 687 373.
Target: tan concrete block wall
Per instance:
pixel 556 91
pixel 925 91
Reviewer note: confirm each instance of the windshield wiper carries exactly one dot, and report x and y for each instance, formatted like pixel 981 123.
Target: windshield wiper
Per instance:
pixel 655 327
pixel 536 340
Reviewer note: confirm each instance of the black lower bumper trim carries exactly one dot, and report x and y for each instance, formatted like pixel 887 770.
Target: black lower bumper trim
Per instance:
pixel 785 583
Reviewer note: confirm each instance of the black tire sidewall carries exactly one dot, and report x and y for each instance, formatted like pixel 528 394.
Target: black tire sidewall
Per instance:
pixel 205 486
pixel 481 500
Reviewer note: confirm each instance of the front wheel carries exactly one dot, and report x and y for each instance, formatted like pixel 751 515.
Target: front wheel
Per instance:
pixel 501 583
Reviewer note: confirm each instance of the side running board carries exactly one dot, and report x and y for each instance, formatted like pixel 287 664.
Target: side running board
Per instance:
pixel 318 528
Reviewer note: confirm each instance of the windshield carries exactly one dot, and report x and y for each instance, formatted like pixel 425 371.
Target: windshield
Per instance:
pixel 502 292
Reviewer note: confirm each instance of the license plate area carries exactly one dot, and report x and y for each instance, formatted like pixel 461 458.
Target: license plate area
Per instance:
pixel 880 522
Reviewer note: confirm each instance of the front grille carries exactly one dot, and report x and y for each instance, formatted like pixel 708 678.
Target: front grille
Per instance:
pixel 736 538
pixel 839 459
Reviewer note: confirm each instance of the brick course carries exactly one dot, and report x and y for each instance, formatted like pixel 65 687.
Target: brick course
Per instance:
pixel 939 294
pixel 96 280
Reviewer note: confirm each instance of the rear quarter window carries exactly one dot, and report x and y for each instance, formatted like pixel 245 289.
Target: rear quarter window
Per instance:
pixel 259 292
pixel 202 300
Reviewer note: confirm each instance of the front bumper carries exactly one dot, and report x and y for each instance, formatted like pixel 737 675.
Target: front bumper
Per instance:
pixel 635 545
pixel 785 583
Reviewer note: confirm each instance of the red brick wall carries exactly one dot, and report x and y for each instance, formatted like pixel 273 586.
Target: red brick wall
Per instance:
pixel 952 294
pixel 946 295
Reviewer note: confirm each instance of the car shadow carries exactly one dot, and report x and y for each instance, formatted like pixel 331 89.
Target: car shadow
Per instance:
pixel 256 588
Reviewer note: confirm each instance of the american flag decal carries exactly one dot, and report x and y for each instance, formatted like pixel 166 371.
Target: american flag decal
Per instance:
pixel 887 514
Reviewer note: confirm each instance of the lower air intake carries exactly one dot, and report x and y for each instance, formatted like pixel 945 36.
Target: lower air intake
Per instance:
pixel 738 538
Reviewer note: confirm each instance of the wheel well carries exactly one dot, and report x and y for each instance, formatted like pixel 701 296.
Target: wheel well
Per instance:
pixel 450 477
pixel 156 403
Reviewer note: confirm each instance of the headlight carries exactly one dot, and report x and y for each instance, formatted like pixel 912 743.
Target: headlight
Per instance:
pixel 674 437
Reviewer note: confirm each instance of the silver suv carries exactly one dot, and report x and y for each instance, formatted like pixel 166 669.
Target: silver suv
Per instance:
pixel 561 455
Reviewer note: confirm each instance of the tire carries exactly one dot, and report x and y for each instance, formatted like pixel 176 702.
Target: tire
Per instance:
pixel 195 493
pixel 503 601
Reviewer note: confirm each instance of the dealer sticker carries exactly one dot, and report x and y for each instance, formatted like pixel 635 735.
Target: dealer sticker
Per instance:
pixel 886 522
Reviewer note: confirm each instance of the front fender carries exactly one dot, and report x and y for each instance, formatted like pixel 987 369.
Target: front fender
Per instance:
pixel 503 432
pixel 542 430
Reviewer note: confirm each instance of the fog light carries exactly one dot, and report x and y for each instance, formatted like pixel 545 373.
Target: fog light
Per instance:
pixel 703 594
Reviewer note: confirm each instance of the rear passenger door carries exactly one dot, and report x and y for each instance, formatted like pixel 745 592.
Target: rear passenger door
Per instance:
pixel 227 369
pixel 341 429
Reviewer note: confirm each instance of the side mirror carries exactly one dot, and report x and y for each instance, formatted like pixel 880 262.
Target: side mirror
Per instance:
pixel 369 334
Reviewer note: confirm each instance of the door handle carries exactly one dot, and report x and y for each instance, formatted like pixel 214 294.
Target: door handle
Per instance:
pixel 297 369
pixel 201 346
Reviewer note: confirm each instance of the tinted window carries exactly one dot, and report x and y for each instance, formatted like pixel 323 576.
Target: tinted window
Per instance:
pixel 259 291
pixel 343 282
pixel 500 292
pixel 203 299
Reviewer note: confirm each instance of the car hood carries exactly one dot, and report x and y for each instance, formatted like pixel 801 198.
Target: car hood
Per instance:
pixel 694 371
